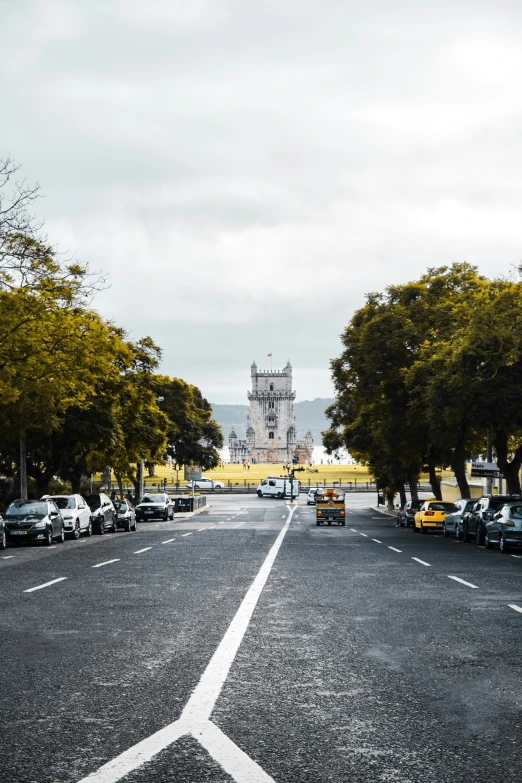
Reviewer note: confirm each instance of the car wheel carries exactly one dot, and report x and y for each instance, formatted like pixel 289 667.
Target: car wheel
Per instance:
pixel 49 538
pixel 318 522
pixel 414 528
pixel 457 532
pixel 166 516
pixel 135 526
pixel 61 537
pixel 465 534
pixel 88 531
pixel 504 546
pixel 114 527
pixel 445 531
pixel 3 540
pixel 479 537
pixel 101 527
pixel 127 526
pixel 259 494
pixel 487 543
pixel 76 532
pixel 422 529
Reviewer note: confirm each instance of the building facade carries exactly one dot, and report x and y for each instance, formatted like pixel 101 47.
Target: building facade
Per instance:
pixel 271 432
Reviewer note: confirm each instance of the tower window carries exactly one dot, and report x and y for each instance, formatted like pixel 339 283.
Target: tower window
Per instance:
pixel 271 436
pixel 271 404
pixel 271 387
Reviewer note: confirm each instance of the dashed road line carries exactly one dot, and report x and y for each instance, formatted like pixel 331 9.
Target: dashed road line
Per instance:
pixel 106 562
pixel 363 534
pixel 422 562
pixel 518 557
pixel 168 541
pixel 463 582
pixel 515 607
pixel 187 534
pixel 7 557
pixel 200 529
pixel 47 584
pixel 394 549
pixel 376 540
pixel 145 549
pixel 353 530
pixel 222 522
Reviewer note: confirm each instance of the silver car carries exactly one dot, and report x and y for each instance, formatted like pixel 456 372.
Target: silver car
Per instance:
pixel 310 498
pixel 453 522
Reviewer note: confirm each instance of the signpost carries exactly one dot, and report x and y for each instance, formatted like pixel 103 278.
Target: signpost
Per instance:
pixel 485 470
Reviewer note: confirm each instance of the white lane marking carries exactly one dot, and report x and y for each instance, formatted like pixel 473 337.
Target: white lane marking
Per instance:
pixel 210 527
pixel 7 557
pixel 139 551
pixel 515 607
pixel 40 587
pixel 195 718
pixel 517 556
pixel 51 547
pixel 394 550
pixel 376 540
pixel 200 529
pixel 353 530
pixel 222 522
pixel 363 534
pixel 422 562
pixel 463 582
pixel 106 562
pixel 168 541
pixel 187 534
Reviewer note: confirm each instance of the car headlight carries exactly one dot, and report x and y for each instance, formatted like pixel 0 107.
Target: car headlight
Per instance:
pixel 68 516
pixel 40 525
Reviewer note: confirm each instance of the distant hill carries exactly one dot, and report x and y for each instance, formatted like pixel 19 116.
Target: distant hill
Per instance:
pixel 309 415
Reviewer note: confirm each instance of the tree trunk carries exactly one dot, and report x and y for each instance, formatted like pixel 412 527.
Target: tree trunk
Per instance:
pixel 510 470
pixel 458 463
pixel 402 493
pixel 413 484
pixel 76 479
pixel 22 465
pixel 119 479
pixel 434 481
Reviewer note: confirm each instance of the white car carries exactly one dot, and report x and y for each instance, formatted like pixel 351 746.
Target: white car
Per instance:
pixel 76 514
pixel 310 498
pixel 205 483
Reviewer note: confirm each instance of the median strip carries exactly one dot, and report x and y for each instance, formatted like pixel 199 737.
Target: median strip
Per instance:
pixel 422 562
pixel 463 582
pixel 106 562
pixel 139 551
pixel 41 587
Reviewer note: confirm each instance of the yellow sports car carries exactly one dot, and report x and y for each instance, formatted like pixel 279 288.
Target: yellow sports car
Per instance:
pixel 431 515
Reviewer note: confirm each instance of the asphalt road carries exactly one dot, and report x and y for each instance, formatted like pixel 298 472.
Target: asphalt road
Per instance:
pixel 248 645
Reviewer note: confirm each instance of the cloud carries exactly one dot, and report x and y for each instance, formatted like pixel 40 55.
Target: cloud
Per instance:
pixel 247 171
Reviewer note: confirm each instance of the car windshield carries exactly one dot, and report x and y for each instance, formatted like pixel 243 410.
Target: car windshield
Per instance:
pixel 449 508
pixel 515 512
pixel 469 505
pixel 63 502
pixel 93 501
pixel 121 505
pixel 153 499
pixel 26 508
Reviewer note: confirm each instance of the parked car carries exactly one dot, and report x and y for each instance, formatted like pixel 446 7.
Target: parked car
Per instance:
pixel 76 514
pixel 453 522
pixel 310 498
pixel 34 520
pixel 205 483
pixel 3 536
pixel 431 515
pixel 505 529
pixel 125 515
pixel 103 513
pixel 278 487
pixel 155 505
pixel 407 513
pixel 474 521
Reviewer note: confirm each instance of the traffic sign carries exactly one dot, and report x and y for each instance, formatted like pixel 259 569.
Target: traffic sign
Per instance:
pixel 485 470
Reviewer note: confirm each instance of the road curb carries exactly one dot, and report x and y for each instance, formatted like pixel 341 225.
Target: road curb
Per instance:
pixel 188 514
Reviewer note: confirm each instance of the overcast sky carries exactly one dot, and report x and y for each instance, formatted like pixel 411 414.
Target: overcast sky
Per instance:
pixel 245 171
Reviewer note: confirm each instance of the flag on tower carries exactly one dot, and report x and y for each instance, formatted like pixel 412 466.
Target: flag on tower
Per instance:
pixel 270 354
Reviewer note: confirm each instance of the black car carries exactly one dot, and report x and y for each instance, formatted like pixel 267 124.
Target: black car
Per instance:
pixel 103 513
pixel 125 515
pixel 408 511
pixel 155 505
pixel 34 520
pixel 3 537
pixel 474 522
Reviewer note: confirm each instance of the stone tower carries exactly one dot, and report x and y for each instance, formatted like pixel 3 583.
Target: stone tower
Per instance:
pixel 271 434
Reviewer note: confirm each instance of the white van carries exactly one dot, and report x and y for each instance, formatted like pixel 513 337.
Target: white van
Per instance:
pixel 276 486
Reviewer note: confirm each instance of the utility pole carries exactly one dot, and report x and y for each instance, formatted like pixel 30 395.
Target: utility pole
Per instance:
pixel 489 458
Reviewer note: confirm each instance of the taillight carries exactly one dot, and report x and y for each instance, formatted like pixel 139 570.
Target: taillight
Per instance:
pixel 429 513
pixel 342 513
pixel 509 523
pixel 318 513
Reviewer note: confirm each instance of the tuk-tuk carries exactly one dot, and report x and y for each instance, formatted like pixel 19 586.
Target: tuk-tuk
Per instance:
pixel 329 506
